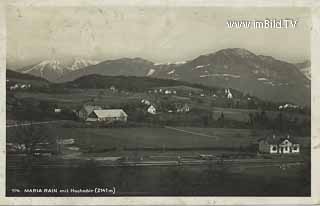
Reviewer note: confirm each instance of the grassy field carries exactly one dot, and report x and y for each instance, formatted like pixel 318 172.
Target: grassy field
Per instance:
pixel 176 180
pixel 94 96
pixel 170 137
pixel 175 137
pixel 156 137
pixel 243 114
pixel 72 97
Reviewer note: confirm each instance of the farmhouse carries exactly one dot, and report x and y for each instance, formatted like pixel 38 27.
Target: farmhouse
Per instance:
pixel 228 93
pixel 151 109
pixel 274 145
pixel 57 110
pixel 107 115
pixel 183 107
pixel 146 102
pixel 113 89
pixel 16 86
pixel 20 86
pixel 85 110
pixel 287 106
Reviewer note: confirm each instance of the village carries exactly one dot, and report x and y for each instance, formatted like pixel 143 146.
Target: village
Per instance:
pixel 211 136
pixel 59 128
pixel 158 104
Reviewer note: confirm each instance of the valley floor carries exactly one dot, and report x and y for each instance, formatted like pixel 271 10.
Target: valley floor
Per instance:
pixel 159 161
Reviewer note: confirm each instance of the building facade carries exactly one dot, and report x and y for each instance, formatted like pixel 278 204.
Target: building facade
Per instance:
pixel 275 145
pixel 107 115
pixel 151 109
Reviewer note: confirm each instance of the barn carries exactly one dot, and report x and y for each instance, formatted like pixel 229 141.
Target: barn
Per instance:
pixel 107 115
pixel 85 110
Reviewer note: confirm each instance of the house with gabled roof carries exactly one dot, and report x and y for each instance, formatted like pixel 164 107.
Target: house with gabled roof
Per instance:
pixel 85 110
pixel 107 115
pixel 152 109
pixel 278 145
pixel 183 107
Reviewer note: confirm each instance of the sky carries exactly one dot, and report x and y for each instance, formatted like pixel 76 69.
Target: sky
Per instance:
pixel 158 34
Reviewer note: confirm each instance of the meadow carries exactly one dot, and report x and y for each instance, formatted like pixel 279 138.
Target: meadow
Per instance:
pixel 174 138
pixel 156 137
pixel 242 115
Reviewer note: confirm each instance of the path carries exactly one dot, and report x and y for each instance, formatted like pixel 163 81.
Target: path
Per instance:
pixel 190 132
pixel 34 123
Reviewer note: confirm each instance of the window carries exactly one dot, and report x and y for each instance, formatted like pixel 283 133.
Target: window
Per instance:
pixel 295 148
pixel 274 148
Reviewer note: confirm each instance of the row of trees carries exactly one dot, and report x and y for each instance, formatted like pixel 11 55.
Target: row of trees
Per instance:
pixel 34 110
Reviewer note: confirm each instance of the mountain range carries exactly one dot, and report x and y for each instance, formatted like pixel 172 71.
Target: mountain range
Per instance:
pixel 263 76
pixel 53 69
pixel 123 66
pixel 258 75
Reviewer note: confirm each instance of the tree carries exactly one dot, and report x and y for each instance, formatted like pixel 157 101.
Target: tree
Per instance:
pixel 221 119
pixel 251 119
pixel 30 136
pixel 280 121
pixel 45 106
pixel 205 120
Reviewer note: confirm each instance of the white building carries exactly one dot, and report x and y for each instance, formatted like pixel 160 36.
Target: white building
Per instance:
pixel 107 115
pixel 274 145
pixel 57 110
pixel 16 86
pixel 146 102
pixel 113 88
pixel 288 106
pixel 183 108
pixel 229 94
pixel 151 109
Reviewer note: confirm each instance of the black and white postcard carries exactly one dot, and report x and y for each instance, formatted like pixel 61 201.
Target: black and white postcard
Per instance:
pixel 157 102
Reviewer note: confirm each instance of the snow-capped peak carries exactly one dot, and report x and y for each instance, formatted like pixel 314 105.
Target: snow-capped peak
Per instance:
pixel 170 63
pixel 180 62
pixel 52 64
pixel 150 72
pixel 81 63
pixel 54 69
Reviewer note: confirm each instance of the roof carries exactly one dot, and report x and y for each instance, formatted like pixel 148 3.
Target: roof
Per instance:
pixel 103 113
pixel 182 105
pixel 276 140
